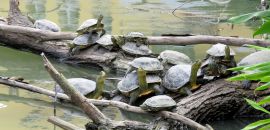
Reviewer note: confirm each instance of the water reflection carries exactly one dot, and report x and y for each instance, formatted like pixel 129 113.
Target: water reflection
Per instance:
pixel 69 14
pixel 36 8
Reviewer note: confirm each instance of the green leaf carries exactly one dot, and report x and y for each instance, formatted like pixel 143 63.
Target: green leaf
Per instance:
pixel 256 47
pixel 265 79
pixel 265 28
pixel 239 68
pixel 245 17
pixel 266 127
pixel 263 87
pixel 256 124
pixel 253 76
pixel 264 100
pixel 257 106
pixel 258 66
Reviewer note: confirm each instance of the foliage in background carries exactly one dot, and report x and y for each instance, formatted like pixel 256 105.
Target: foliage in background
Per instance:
pixel 258 72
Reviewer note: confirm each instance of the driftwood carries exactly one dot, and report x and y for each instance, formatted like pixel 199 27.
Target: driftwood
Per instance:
pixel 98 118
pixel 63 124
pixel 121 105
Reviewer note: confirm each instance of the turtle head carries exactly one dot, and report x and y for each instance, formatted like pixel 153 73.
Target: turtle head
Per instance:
pixel 99 24
pixel 100 85
pixel 142 78
pixel 193 76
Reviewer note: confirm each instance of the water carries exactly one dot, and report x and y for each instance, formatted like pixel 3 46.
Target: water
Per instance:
pixel 29 111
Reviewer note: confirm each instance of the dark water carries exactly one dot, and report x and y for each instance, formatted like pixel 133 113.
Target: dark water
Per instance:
pixel 29 111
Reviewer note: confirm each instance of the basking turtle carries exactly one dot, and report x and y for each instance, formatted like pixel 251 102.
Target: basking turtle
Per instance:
pixel 81 42
pixel 106 41
pixel 88 88
pixel 134 43
pixel 157 103
pixel 174 57
pixel 219 58
pixel 150 65
pixel 92 25
pixel 48 25
pixel 252 59
pixel 135 84
pixel 178 76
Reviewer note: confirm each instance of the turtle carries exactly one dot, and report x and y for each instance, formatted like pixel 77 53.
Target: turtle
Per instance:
pixel 106 41
pixel 158 103
pixel 150 65
pixel 135 85
pixel 81 42
pixel 252 59
pixel 92 25
pixel 88 88
pixel 47 25
pixel 170 58
pixel 219 58
pixel 178 76
pixel 133 44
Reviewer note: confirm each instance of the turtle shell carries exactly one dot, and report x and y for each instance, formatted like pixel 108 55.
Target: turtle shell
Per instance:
pixel 176 77
pixel 106 41
pixel 84 86
pixel 82 40
pixel 129 83
pixel 146 63
pixel 136 37
pixel 45 24
pixel 86 25
pixel 136 48
pixel 153 78
pixel 255 58
pixel 174 57
pixel 219 50
pixel 157 103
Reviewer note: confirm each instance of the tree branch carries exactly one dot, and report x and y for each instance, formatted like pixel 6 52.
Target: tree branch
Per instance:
pixel 63 124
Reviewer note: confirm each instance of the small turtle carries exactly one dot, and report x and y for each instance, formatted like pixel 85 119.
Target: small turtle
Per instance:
pixel 135 84
pixel 174 57
pixel 178 76
pixel 88 88
pixel 81 42
pixel 92 25
pixel 150 65
pixel 158 103
pixel 45 24
pixel 106 41
pixel 133 43
pixel 220 57
pixel 252 59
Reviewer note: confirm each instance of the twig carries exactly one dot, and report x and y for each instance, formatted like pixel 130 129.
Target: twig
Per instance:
pixel 63 124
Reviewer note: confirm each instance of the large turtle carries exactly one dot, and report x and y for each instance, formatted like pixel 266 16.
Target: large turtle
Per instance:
pixel 134 43
pixel 88 88
pixel 157 103
pixel 137 83
pixel 178 76
pixel 92 25
pixel 47 25
pixel 82 41
pixel 150 65
pixel 252 59
pixel 219 58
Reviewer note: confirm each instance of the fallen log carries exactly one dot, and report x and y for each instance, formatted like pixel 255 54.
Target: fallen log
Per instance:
pixel 121 105
pixel 63 124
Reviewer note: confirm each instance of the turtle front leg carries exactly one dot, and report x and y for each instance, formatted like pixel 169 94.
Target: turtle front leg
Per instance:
pixel 75 51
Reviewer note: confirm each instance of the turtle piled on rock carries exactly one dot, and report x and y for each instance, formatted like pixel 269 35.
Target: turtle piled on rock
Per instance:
pixel 219 58
pixel 134 43
pixel 157 103
pixel 44 24
pixel 182 77
pixel 252 59
pixel 88 33
pixel 88 88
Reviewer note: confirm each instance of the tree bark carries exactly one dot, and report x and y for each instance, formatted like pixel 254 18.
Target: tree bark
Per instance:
pixel 63 124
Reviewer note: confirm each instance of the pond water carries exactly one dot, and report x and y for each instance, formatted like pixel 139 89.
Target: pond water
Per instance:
pixel 28 111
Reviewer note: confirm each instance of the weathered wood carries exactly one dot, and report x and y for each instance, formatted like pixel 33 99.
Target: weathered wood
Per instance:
pixel 63 124
pixel 121 105
pixel 90 110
